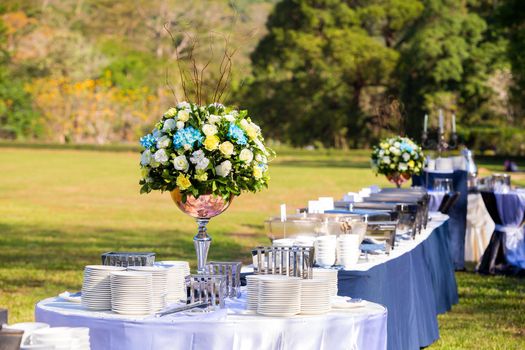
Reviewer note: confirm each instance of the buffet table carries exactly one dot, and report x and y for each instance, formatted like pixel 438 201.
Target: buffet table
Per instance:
pixel 415 283
pixel 232 328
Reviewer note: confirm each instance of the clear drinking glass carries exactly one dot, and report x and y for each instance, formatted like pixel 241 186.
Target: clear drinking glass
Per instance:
pixel 443 185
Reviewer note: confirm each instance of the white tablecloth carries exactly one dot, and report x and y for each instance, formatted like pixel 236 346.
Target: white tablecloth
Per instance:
pixel 353 329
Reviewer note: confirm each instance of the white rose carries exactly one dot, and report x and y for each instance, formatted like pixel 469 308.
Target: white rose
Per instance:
pixel 180 125
pixel 171 112
pixel 386 160
pixel 260 145
pixel 229 117
pixel 214 119
pixel 197 156
pixel 183 104
pixel 224 168
pixel 183 115
pixel 209 129
pixel 161 156
pixel 246 155
pixel 406 157
pixel 397 144
pixel 156 134
pixel 202 164
pixel 163 142
pixel 395 151
pixel 245 124
pixel 402 166
pixel 145 159
pixel 258 158
pixel 169 124
pixel 381 153
pixel 181 163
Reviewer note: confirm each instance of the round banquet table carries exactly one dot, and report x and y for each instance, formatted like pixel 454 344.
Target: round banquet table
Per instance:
pixel 231 328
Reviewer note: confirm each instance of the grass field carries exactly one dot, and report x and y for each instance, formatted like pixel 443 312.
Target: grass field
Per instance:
pixel 60 209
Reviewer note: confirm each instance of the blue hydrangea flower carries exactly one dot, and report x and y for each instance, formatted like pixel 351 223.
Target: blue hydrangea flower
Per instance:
pixel 236 133
pixel 148 141
pixel 187 136
pixel 406 147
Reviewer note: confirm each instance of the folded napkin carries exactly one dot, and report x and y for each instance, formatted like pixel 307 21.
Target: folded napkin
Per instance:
pixel 71 297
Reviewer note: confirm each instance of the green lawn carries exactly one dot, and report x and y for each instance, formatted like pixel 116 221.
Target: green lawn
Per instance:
pixel 60 209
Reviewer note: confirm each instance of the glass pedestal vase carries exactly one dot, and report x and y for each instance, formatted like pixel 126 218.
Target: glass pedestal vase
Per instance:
pixel 202 209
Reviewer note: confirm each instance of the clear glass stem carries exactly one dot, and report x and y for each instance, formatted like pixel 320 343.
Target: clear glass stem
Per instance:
pixel 202 242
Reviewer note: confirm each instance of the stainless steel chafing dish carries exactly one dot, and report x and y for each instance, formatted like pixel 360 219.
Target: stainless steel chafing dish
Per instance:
pixel 383 231
pixel 313 225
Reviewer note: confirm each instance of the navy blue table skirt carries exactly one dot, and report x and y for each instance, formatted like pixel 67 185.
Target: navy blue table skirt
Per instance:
pixel 415 287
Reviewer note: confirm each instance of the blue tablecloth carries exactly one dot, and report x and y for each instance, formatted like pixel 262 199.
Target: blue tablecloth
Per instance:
pixel 458 213
pixel 415 287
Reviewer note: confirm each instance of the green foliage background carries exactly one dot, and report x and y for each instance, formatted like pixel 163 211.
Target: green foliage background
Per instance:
pixel 329 73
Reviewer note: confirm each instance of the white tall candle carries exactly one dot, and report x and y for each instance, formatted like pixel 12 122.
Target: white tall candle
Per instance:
pixel 441 121
pixel 283 212
pixel 453 123
pixel 425 123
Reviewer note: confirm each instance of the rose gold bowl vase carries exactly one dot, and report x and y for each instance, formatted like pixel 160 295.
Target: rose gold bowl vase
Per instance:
pixel 398 179
pixel 202 209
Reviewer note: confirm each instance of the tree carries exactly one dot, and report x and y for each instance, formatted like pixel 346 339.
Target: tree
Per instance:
pixel 512 18
pixel 310 71
pixel 446 62
pixel 17 118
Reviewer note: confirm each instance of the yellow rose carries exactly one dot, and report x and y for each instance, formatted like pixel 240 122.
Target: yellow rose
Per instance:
pixel 411 163
pixel 201 176
pixel 183 182
pixel 251 132
pixel 211 142
pixel 226 148
pixel 183 115
pixel 257 172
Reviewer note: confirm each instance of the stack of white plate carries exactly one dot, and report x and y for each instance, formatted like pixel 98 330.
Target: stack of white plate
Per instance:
pixel 348 250
pixel 252 292
pixel 177 272
pixel 159 286
pixel 96 291
pixel 325 250
pixel 315 296
pixel 182 264
pixel 329 276
pixel 28 328
pixel 131 292
pixel 61 338
pixel 279 295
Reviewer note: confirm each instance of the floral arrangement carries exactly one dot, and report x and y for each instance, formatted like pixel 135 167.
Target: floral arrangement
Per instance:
pixel 202 150
pixel 397 156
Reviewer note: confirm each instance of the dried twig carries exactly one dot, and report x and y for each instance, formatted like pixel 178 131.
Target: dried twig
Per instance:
pixel 181 72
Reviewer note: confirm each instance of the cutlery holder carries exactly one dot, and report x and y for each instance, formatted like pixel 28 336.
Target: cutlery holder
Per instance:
pixel 292 261
pixel 211 289
pixel 126 259
pixel 232 271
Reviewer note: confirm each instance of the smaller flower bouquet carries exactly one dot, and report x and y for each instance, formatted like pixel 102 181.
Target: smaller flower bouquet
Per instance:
pixel 204 150
pixel 398 158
